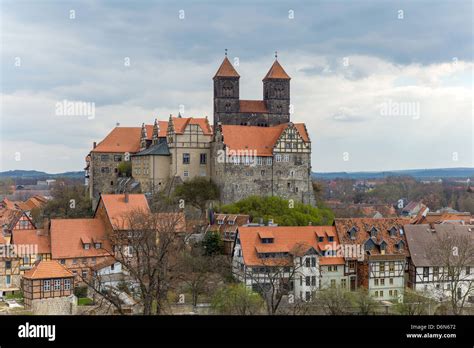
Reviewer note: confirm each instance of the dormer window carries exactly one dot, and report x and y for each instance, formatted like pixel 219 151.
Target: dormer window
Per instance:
pixel 220 222
pixel 267 240
pixel 331 238
pixel 352 232
pixel 400 245
pixel 369 245
pixel 320 239
pixel 97 245
pixel 230 222
pixel 373 231
pixel 87 246
pixel 383 246
pixel 393 231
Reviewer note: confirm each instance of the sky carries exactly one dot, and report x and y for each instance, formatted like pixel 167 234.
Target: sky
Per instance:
pixel 380 85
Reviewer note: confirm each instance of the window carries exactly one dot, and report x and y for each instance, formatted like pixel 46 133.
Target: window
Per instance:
pixel 313 262
pixel 382 281
pixel 333 283
pixel 352 265
pixel 186 158
pixel 57 284
pixel 435 271
pixel 8 264
pixel 84 274
pixel 186 173
pixel 376 282
pixel 390 293
pixel 395 293
pixel 343 283
pixel 269 161
pixel 286 158
pixel 67 284
pixel 46 285
pixel 8 279
pixel 112 266
pixel 307 262
pixel 278 158
pixel 382 267
pixel 308 281
pixel 203 158
pixel 97 245
pixel 26 260
pixel 87 246
pixel 117 158
pixel 391 281
pixel 376 294
pixel 301 280
pixel 308 296
pixel 320 239
pixel 262 172
pixel 391 266
pixel 104 158
pixel 313 280
pixel 468 270
pixel 426 271
pixel 105 170
pixel 331 239
pixel 381 293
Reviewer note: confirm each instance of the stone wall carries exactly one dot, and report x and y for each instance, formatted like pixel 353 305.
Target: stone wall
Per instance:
pixel 55 306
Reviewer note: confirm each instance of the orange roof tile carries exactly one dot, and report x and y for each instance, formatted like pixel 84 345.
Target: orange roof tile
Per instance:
pixel 292 239
pixel 226 70
pixel 276 72
pixel 149 131
pixel 180 124
pixel 117 209
pixel 48 269
pixel 66 235
pixel 253 106
pixel 163 128
pixel 32 237
pixel 121 139
pixel 253 138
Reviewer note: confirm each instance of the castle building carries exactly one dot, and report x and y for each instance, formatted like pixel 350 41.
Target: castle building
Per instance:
pixel 229 109
pixel 253 148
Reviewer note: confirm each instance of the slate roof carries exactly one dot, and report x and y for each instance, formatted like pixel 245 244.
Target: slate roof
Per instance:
pixel 160 149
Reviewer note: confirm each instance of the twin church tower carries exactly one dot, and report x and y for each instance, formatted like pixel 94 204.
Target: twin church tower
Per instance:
pixel 231 110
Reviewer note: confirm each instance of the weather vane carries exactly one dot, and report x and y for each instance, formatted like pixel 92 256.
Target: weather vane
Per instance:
pixel 226 52
pixel 276 54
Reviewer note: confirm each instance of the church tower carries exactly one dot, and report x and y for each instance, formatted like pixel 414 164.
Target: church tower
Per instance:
pixel 276 93
pixel 226 93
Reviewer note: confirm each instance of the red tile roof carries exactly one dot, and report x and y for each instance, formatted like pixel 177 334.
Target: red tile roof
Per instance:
pixel 48 269
pixel 364 225
pixel 253 106
pixel 32 237
pixel 276 72
pixel 67 236
pixel 259 139
pixel 296 240
pixel 180 124
pixel 226 70
pixel 117 209
pixel 121 139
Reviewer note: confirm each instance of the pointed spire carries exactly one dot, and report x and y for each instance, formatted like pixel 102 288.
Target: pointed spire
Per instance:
pixel 226 69
pixel 276 71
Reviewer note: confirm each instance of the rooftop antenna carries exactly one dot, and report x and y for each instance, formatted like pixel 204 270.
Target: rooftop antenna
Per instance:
pixel 226 52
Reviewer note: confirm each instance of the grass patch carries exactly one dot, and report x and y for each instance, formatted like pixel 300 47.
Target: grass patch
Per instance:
pixel 15 296
pixel 85 301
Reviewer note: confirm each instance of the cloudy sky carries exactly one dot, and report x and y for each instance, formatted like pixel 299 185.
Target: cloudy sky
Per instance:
pixel 380 85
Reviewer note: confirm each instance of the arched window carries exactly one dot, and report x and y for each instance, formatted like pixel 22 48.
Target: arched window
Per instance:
pixel 228 89
pixel 228 107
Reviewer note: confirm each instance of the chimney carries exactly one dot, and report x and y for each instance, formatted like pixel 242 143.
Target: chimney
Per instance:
pixel 94 144
pixel 126 197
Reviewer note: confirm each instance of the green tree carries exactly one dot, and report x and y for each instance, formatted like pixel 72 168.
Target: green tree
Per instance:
pixel 125 168
pixel 212 243
pixel 237 299
pixel 364 302
pixel 334 301
pixel 415 303
pixel 197 192
pixel 69 201
pixel 281 211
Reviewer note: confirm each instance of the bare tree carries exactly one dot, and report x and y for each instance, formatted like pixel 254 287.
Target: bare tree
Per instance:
pixel 334 301
pixel 147 245
pixel 453 253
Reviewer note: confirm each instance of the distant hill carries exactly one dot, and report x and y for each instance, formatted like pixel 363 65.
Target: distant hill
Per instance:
pixel 420 174
pixel 34 174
